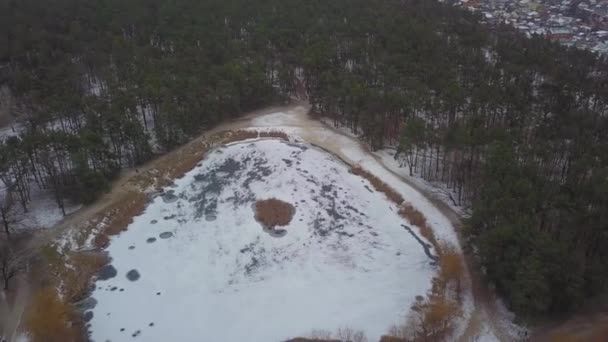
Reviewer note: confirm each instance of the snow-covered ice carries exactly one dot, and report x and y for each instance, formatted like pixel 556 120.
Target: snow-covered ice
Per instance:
pixel 202 268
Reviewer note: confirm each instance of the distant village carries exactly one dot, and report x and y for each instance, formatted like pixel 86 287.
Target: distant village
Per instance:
pixel 579 23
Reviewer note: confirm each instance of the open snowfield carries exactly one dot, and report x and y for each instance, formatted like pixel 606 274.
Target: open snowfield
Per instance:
pixel 196 266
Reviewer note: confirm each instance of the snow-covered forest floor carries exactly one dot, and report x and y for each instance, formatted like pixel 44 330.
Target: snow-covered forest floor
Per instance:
pixel 386 156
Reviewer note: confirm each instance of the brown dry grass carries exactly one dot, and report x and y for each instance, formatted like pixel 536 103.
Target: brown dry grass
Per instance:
pixel 412 214
pixel 242 134
pixel 176 165
pixel 119 216
pixel 239 136
pixel 432 319
pixel 415 217
pixel 273 212
pixel 121 213
pixel 378 184
pixel 47 318
pixel 76 274
pixel 565 337
pixel 451 268
pixel 274 134
pixel 73 271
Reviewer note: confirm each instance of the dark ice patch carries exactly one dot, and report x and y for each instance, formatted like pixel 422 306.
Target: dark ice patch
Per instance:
pixel 230 167
pixel 311 180
pixel 154 222
pixel 278 232
pixel 151 240
pixel 106 272
pixel 212 185
pixel 87 304
pixel 259 170
pixel 342 233
pixel 425 246
pixel 169 196
pixel 334 213
pixel 133 275
pixel 165 235
pixel 351 208
pixel 240 198
pixel 88 316
pixel 131 247
pixel 320 228
pixel 298 146
pixel 252 265
pixel 329 194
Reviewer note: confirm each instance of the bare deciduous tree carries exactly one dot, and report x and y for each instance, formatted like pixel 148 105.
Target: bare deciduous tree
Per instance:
pixel 7 104
pixel 10 215
pixel 350 335
pixel 11 264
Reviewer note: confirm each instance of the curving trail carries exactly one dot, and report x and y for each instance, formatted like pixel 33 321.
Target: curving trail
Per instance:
pixel 294 120
pixel 485 310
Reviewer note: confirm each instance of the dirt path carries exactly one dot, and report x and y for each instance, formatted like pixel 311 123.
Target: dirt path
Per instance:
pixel 11 310
pixel 313 131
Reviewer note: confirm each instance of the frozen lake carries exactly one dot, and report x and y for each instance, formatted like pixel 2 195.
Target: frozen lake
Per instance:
pixel 197 266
